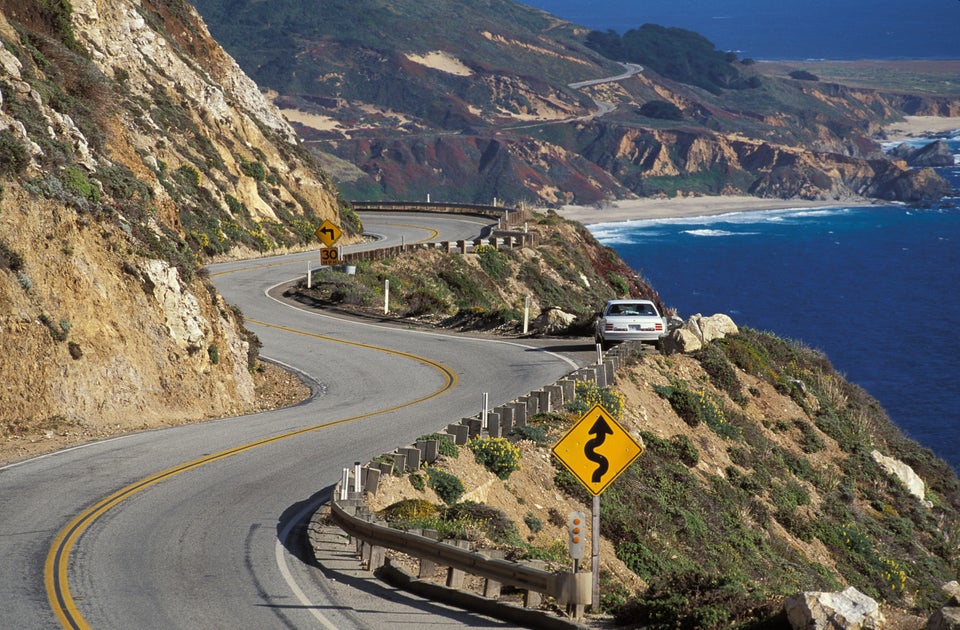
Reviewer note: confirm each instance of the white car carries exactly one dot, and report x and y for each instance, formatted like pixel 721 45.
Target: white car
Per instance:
pixel 630 320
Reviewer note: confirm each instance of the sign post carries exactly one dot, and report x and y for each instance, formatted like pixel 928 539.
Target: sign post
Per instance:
pixel 597 450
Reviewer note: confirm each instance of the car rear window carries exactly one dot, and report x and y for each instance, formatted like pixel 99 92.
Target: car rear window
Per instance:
pixel 631 309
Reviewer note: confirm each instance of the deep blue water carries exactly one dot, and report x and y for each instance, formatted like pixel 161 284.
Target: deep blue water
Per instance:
pixel 876 288
pixel 787 29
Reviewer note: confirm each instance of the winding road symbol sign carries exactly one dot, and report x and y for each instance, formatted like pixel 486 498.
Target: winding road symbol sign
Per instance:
pixel 597 449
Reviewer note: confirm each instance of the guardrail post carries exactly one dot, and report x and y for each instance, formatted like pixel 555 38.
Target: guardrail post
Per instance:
pixel 543 400
pixel 462 246
pixel 505 413
pixel 569 387
pixel 519 413
pixel 455 576
pixel 428 567
pixel 412 456
pixel 371 481
pixel 474 426
pixel 460 432
pixel 491 587
pixel 493 424
pixel 428 450
pixel 400 461
pixel 532 599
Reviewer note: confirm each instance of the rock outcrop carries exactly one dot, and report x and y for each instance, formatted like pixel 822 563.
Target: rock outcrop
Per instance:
pixel 936 153
pixel 698 331
pixel 903 472
pixel 847 610
pixel 132 147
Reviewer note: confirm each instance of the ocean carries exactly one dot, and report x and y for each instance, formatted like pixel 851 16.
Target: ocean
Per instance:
pixel 789 29
pixel 876 288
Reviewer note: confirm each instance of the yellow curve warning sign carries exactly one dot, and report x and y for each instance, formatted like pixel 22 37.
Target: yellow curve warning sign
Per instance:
pixel 597 449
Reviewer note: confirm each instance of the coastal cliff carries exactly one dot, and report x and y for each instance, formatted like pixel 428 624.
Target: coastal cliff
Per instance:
pixel 132 148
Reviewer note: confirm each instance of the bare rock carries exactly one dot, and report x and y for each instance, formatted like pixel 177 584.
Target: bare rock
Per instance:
pixel 910 479
pixel 947 618
pixel 715 327
pixel 681 340
pixel 847 610
pixel 552 320
pixel 952 591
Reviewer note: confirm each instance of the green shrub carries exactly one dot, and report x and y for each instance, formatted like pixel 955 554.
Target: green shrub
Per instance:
pixel 619 283
pixel 532 522
pixel 445 443
pixel 214 353
pixel 530 432
pixel 13 155
pixel 75 180
pixel 496 525
pixel 722 374
pixel 418 482
pixel 497 455
pixel 587 394
pixel 698 406
pixel 10 259
pixel 663 110
pixel 408 512
pixel 493 262
pixel 447 486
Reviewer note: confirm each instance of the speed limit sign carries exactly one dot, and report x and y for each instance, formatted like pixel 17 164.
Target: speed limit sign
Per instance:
pixel 329 255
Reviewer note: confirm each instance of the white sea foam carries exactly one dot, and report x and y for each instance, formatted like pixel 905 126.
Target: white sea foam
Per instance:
pixel 708 232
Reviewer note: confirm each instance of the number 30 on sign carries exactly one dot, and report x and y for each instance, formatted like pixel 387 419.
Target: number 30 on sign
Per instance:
pixel 329 256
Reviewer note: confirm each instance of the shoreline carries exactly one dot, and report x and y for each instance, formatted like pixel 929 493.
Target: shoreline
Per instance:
pixel 624 210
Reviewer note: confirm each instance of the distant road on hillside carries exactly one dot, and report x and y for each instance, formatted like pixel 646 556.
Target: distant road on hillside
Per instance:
pixel 603 108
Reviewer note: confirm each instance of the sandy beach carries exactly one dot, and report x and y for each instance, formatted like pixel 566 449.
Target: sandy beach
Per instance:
pixel 639 209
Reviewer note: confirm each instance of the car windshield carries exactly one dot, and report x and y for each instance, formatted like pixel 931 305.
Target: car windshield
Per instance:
pixel 631 309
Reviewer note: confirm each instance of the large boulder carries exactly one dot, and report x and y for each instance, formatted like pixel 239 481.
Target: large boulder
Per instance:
pixel 552 320
pixel 715 327
pixel 847 610
pixel 910 479
pixel 697 331
pixel 681 340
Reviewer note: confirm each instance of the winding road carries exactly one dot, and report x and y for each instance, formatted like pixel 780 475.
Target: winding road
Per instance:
pixel 200 526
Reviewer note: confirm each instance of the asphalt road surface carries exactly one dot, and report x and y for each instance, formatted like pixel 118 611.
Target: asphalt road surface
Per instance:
pixel 200 526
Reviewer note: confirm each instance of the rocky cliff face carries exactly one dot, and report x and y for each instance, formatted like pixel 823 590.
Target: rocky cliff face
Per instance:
pixel 131 147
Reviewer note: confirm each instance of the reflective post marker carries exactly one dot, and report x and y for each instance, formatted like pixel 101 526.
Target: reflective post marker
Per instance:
pixel 526 314
pixel 483 413
pixel 356 477
pixel 386 296
pixel 309 274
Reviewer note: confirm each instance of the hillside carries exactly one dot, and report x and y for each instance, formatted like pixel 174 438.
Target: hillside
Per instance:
pixel 132 149
pixel 766 473
pixel 471 102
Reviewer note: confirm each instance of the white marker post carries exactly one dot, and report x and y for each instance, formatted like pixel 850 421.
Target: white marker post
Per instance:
pixel 483 412
pixel 526 314
pixel 309 274
pixel 386 296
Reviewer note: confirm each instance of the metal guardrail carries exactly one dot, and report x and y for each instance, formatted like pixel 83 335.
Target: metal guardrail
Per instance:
pixel 506 216
pixel 565 587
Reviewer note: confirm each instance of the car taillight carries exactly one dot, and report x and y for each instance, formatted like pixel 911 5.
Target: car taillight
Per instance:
pixel 608 326
pixel 659 326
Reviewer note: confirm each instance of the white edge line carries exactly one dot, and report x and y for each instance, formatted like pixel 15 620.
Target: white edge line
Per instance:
pixel 280 553
pixel 66 450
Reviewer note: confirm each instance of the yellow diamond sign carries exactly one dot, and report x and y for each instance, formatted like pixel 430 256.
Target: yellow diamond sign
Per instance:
pixel 328 233
pixel 597 449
